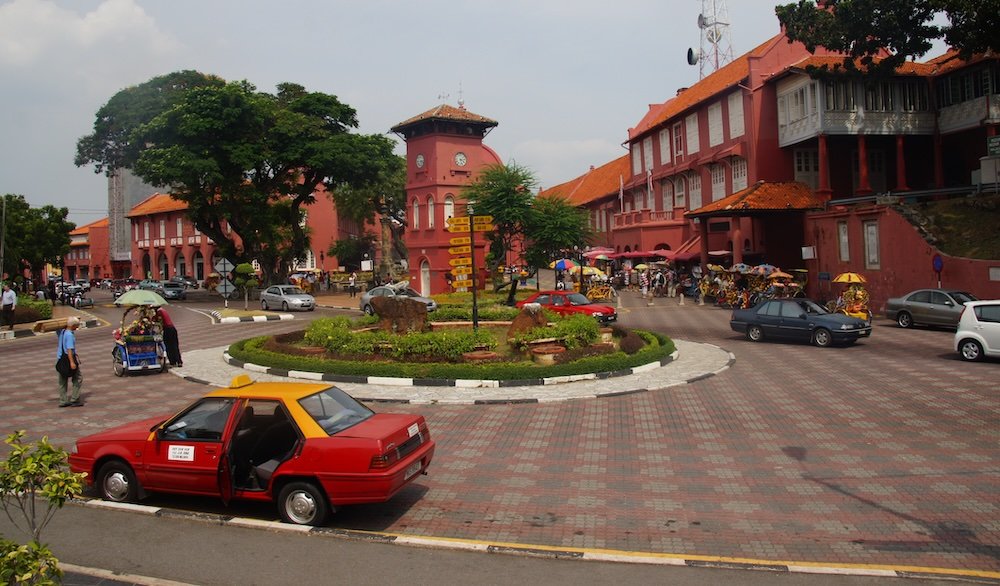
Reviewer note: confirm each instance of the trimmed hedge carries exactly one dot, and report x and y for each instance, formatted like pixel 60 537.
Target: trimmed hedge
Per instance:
pixel 30 309
pixel 252 350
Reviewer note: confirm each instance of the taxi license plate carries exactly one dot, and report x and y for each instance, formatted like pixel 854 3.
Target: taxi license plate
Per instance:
pixel 412 469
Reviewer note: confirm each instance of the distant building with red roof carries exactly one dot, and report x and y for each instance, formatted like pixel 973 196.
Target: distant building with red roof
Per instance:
pixel 764 161
pixel 88 256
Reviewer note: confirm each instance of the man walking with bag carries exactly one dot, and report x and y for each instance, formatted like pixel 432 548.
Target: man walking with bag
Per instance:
pixel 9 300
pixel 68 364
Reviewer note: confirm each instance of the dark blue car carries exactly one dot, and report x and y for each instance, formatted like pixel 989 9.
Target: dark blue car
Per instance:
pixel 798 319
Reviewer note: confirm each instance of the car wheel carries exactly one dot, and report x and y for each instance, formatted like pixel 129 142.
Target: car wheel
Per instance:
pixel 822 337
pixel 369 310
pixel 301 503
pixel 263 305
pixel 118 361
pixel 970 350
pixel 904 319
pixel 755 334
pixel 117 482
pixel 284 306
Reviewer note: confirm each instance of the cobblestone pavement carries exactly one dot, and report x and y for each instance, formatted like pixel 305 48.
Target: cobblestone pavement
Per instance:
pixel 883 453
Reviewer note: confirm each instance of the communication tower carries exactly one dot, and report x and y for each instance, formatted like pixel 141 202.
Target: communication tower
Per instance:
pixel 716 47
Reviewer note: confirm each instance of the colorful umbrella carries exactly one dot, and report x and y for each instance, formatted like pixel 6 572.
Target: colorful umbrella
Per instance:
pixel 593 271
pixel 850 278
pixel 740 268
pixel 641 266
pixel 764 269
pixel 563 264
pixel 780 275
pixel 140 297
pixel 601 257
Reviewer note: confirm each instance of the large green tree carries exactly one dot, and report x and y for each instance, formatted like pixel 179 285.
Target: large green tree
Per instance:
pixel 880 35
pixel 33 237
pixel 543 227
pixel 243 158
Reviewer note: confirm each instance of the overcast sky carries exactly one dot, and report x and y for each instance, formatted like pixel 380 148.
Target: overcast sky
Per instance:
pixel 565 79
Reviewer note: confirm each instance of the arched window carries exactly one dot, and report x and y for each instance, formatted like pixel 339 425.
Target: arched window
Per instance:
pixel 415 220
pixel 449 206
pixel 430 211
pixel 680 191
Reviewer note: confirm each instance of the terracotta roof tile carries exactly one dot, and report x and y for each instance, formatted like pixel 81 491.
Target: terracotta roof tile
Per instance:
pixel 907 68
pixel 157 203
pixel 85 229
pixel 592 185
pixel 763 196
pixel 950 61
pixel 445 112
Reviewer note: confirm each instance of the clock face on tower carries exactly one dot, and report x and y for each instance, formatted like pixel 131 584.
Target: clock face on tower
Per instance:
pixel 420 161
pixel 461 159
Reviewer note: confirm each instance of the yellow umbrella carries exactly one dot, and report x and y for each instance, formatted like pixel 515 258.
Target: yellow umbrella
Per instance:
pixel 641 267
pixel 850 278
pixel 779 274
pixel 593 271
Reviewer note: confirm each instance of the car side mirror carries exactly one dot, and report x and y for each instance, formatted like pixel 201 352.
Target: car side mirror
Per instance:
pixel 802 316
pixel 949 303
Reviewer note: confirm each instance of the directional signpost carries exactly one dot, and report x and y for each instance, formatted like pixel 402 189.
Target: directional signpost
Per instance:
pixel 226 287
pixel 463 267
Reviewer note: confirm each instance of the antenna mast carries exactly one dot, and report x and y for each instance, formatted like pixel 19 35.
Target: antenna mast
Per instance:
pixel 716 47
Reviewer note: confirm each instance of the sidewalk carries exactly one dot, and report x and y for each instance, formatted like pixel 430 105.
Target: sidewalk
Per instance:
pixel 59 311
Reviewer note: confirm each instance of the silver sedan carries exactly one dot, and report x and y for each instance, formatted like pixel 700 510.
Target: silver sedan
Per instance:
pixel 286 297
pixel 933 307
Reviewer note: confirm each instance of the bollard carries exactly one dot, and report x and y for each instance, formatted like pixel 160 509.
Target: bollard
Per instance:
pixel 682 299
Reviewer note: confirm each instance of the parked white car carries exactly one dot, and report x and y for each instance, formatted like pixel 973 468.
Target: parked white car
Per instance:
pixel 978 332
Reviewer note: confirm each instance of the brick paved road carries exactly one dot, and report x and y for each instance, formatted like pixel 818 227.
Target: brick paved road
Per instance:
pixel 886 452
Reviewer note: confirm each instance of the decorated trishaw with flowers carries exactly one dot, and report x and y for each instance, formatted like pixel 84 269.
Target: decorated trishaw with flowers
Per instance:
pixel 139 341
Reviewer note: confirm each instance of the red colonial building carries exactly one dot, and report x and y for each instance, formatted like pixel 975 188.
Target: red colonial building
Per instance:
pixel 444 153
pixel 166 243
pixel 89 257
pixel 762 162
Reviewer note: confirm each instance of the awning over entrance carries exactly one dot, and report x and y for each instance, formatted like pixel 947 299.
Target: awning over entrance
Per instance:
pixel 761 198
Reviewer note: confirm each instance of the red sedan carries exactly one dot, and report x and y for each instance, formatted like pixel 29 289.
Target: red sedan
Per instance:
pixel 309 447
pixel 569 303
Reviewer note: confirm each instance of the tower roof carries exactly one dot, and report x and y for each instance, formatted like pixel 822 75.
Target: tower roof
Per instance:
pixel 446 113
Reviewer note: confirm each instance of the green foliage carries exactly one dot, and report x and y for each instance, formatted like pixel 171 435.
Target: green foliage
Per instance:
pixel 32 563
pixel 34 236
pixel 30 309
pixel 252 351
pixel 883 34
pixel 463 313
pixel 573 331
pixel 31 473
pixel 350 252
pixel 555 225
pixel 336 335
pixel 246 276
pixel 504 192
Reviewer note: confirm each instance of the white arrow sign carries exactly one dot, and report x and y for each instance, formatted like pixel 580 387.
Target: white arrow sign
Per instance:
pixel 224 266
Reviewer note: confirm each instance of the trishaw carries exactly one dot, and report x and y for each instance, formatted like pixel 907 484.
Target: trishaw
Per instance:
pixel 139 342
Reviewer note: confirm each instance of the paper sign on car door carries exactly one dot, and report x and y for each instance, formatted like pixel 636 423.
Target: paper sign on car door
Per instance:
pixel 181 453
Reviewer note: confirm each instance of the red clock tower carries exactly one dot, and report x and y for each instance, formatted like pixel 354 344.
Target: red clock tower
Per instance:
pixel 444 153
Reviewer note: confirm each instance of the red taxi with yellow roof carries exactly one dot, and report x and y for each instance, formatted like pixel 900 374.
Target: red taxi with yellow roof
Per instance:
pixel 308 447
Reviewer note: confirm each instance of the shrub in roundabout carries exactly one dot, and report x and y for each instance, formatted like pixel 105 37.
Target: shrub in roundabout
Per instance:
pixel 406 355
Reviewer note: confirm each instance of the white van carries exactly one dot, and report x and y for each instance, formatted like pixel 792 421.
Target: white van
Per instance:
pixel 978 332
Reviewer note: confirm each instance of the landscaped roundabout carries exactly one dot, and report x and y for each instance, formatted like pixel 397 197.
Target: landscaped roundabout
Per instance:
pixel 510 345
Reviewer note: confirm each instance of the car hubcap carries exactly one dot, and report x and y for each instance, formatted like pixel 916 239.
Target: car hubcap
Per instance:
pixel 970 351
pixel 301 507
pixel 116 486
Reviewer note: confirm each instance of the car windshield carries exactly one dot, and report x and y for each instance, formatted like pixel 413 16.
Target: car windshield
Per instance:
pixel 291 291
pixel 334 410
pixel 578 299
pixel 408 292
pixel 812 307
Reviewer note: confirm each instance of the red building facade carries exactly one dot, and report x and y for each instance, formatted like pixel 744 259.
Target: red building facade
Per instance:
pixel 444 153
pixel 762 162
pixel 89 253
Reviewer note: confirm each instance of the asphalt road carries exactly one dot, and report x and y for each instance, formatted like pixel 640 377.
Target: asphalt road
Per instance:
pixel 882 454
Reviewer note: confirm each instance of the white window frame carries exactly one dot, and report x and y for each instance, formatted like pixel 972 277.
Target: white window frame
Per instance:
pixel 145 230
pixel 180 227
pixel 715 124
pixel 843 241
pixel 692 137
pixel 667 194
pixel 449 206
pixel 694 190
pixel 718 171
pixel 739 167
pixel 678 142
pixel 163 228
pixel 430 211
pixel 665 146
pixel 636 159
pixel 873 257
pixel 416 214
pixel 647 153
pixel 737 127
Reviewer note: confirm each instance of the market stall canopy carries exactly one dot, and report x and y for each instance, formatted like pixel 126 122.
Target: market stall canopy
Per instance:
pixel 780 275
